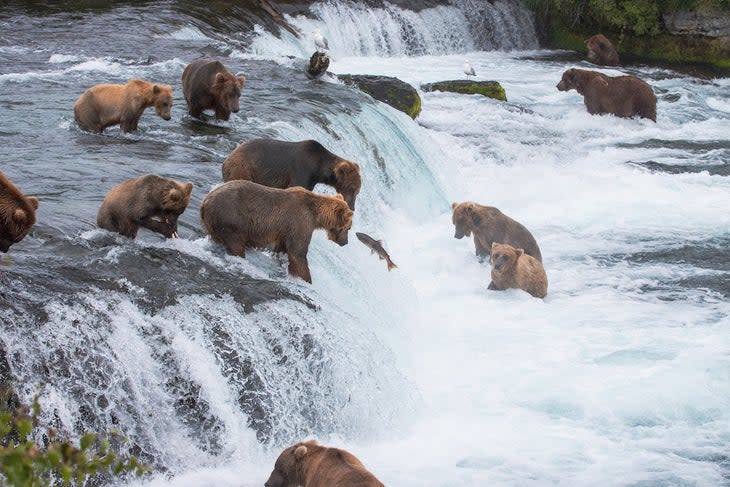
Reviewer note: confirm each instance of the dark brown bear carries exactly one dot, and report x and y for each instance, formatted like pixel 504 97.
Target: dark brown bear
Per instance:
pixel 208 85
pixel 104 105
pixel 281 164
pixel 491 225
pixel 601 51
pixel 308 464
pixel 513 269
pixel 149 201
pixel 241 214
pixel 17 213
pixel 623 96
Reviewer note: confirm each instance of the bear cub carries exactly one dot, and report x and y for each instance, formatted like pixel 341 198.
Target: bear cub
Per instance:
pixel 513 269
pixel 150 201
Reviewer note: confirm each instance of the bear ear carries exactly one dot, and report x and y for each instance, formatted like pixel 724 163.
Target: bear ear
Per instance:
pixel 20 216
pixel 220 78
pixel 454 205
pixel 339 196
pixel 33 202
pixel 494 244
pixel 188 189
pixel 241 81
pixel 156 89
pixel 300 451
pixel 519 252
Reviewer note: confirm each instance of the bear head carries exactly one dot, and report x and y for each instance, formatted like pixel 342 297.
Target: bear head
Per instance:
pixel 569 81
pixel 338 220
pixel 16 220
pixel 504 257
pixel 226 91
pixel 175 199
pixel 162 98
pixel 465 218
pixel 288 471
pixel 347 181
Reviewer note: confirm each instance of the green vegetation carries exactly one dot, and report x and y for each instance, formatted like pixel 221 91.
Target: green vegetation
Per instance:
pixel 491 89
pixel 26 463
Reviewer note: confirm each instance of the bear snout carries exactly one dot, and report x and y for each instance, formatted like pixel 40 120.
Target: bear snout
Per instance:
pixel 561 86
pixel 5 245
pixel 458 234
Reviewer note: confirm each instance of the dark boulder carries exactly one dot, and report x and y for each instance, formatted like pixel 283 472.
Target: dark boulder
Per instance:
pixel 318 64
pixel 396 93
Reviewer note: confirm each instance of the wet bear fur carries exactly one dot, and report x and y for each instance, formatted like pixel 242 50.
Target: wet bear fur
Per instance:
pixel 281 164
pixel 149 201
pixel 513 269
pixel 308 464
pixel 17 213
pixel 105 105
pixel 207 84
pixel 241 214
pixel 489 225
pixel 623 96
pixel 601 51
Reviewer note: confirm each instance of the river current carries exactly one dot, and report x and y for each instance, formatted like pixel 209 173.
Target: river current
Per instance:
pixel 211 364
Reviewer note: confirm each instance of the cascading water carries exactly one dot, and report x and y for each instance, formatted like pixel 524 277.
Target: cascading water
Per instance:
pixel 211 363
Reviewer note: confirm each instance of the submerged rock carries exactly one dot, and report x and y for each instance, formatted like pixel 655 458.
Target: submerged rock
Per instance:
pixel 491 89
pixel 396 93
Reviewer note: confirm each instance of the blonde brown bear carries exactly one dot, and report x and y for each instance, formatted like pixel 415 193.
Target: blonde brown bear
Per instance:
pixel 104 105
pixel 308 464
pixel 17 213
pixel 513 269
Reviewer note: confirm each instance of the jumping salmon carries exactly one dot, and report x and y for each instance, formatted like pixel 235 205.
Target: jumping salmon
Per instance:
pixel 375 246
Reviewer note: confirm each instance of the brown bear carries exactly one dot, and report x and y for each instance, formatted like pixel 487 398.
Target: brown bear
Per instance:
pixel 491 225
pixel 106 104
pixel 601 51
pixel 281 164
pixel 148 201
pixel 207 84
pixel 623 96
pixel 17 213
pixel 240 214
pixel 513 269
pixel 308 464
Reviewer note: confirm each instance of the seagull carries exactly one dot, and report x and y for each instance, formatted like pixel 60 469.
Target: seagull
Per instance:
pixel 319 39
pixel 468 69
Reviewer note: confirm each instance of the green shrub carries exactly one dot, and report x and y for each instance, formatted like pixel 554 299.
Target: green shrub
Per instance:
pixel 25 463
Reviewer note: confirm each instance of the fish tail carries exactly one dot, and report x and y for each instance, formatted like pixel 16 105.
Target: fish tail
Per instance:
pixel 391 265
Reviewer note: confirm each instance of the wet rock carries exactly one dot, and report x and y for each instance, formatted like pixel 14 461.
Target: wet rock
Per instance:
pixel 318 64
pixel 491 89
pixel 396 93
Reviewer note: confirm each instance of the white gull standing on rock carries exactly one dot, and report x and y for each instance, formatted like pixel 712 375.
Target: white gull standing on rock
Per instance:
pixel 468 69
pixel 319 40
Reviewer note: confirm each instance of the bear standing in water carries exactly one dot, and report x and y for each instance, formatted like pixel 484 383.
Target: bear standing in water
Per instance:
pixel 17 213
pixel 207 84
pixel 513 269
pixel 149 201
pixel 105 105
pixel 241 214
pixel 623 96
pixel 281 164
pixel 491 225
pixel 308 464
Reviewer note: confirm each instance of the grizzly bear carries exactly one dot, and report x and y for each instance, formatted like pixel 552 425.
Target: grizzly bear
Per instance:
pixel 309 464
pixel 491 225
pixel 241 214
pixel 281 164
pixel 623 96
pixel 208 85
pixel 17 213
pixel 601 51
pixel 148 201
pixel 513 269
pixel 104 105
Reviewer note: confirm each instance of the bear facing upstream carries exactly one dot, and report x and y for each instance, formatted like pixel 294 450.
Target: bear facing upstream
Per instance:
pixel 240 214
pixel 601 51
pixel 513 269
pixel 149 201
pixel 309 464
pixel 281 164
pixel 104 105
pixel 491 225
pixel 207 84
pixel 17 213
pixel 623 96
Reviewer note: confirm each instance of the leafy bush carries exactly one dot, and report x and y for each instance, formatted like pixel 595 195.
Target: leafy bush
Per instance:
pixel 25 463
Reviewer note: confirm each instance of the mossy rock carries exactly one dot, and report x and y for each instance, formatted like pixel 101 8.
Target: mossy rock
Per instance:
pixel 396 93
pixel 491 89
